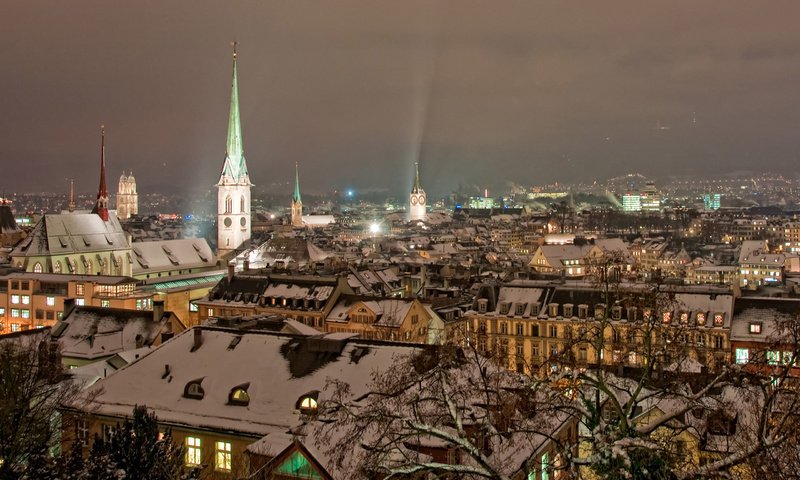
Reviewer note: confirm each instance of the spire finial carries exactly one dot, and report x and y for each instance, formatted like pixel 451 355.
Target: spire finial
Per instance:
pixel 234 44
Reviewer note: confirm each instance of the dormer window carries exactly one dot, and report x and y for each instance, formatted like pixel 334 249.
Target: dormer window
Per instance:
pixel 701 318
pixel 553 310
pixel 520 308
pixel 307 404
pixel 504 308
pixel 616 312
pixel 239 395
pixel 666 317
pixel 718 319
pixel 568 310
pixel 583 311
pixel 482 305
pixel 194 389
pixel 755 327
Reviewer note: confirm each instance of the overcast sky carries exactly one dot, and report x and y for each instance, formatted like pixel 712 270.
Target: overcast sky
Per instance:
pixel 484 93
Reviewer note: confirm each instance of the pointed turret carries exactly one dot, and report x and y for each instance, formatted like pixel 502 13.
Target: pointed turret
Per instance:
pixel 71 206
pixel 235 166
pixel 296 196
pixel 417 188
pixel 297 203
pixel 101 206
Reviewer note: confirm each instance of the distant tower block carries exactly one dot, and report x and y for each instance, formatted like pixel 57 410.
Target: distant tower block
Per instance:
pixel 417 199
pixel 233 196
pixel 297 203
pixel 127 198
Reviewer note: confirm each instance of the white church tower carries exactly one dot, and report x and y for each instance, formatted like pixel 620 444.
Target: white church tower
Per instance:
pixel 233 196
pixel 417 199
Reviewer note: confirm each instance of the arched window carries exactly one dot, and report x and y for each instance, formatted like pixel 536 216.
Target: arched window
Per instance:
pixel 57 266
pixel 37 267
pixel 239 396
pixel 228 204
pixel 307 404
pixel 194 390
pixel 241 205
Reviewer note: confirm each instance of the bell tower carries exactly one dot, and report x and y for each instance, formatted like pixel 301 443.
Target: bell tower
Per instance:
pixel 417 199
pixel 233 194
pixel 297 203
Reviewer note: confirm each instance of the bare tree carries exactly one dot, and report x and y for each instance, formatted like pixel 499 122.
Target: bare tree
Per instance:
pixel 32 385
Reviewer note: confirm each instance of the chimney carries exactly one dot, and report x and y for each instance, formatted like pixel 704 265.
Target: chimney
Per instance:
pixel 231 271
pixel 158 310
pixel 69 305
pixel 198 338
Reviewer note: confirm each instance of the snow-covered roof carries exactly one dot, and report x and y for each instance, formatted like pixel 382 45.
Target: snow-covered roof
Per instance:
pixel 159 255
pixel 96 332
pixel 69 233
pixel 278 369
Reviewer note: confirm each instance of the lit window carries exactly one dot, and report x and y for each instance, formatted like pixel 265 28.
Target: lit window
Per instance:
pixel 755 327
pixel 193 451
pixel 79 289
pixel 701 318
pixel 105 303
pixel 25 313
pixel 666 317
pixel 26 299
pixel 80 302
pixel 223 456
pixel 239 395
pixel 308 403
pixel 193 307
pixel 210 312
pixel 15 313
pixel 742 356
pixel 37 268
pixel 718 319
pixel 15 327
pixel 15 299
pixel 2 312
pixel 773 357
pixel 50 301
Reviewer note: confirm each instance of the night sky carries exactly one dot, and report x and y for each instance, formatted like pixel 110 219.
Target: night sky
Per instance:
pixel 482 92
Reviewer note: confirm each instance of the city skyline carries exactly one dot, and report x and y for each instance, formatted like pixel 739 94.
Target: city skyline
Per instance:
pixel 358 92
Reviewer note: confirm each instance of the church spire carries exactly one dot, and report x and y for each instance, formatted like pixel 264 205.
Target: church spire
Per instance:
pixel 417 186
pixel 71 206
pixel 101 207
pixel 235 166
pixel 296 196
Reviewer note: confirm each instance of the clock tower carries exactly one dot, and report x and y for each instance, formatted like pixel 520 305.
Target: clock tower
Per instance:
pixel 417 200
pixel 233 195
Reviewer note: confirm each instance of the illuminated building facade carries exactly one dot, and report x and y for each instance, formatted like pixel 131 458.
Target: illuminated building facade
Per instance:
pixel 631 202
pixel 711 201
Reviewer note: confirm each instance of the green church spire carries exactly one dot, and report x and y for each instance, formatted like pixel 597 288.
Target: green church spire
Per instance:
pixel 235 165
pixel 417 188
pixel 296 196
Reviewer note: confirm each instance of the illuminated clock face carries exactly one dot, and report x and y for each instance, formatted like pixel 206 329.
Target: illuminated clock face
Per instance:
pixel 422 199
pixel 228 222
pixel 413 200
pixel 243 222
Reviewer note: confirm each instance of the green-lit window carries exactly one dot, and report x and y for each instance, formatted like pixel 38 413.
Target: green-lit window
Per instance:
pixel 223 456
pixel 105 303
pixel 742 356
pixel 545 466
pixel 194 452
pixel 297 465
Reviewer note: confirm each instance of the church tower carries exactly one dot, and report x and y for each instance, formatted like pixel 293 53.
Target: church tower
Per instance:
pixel 233 196
pixel 417 199
pixel 127 198
pixel 297 203
pixel 101 206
